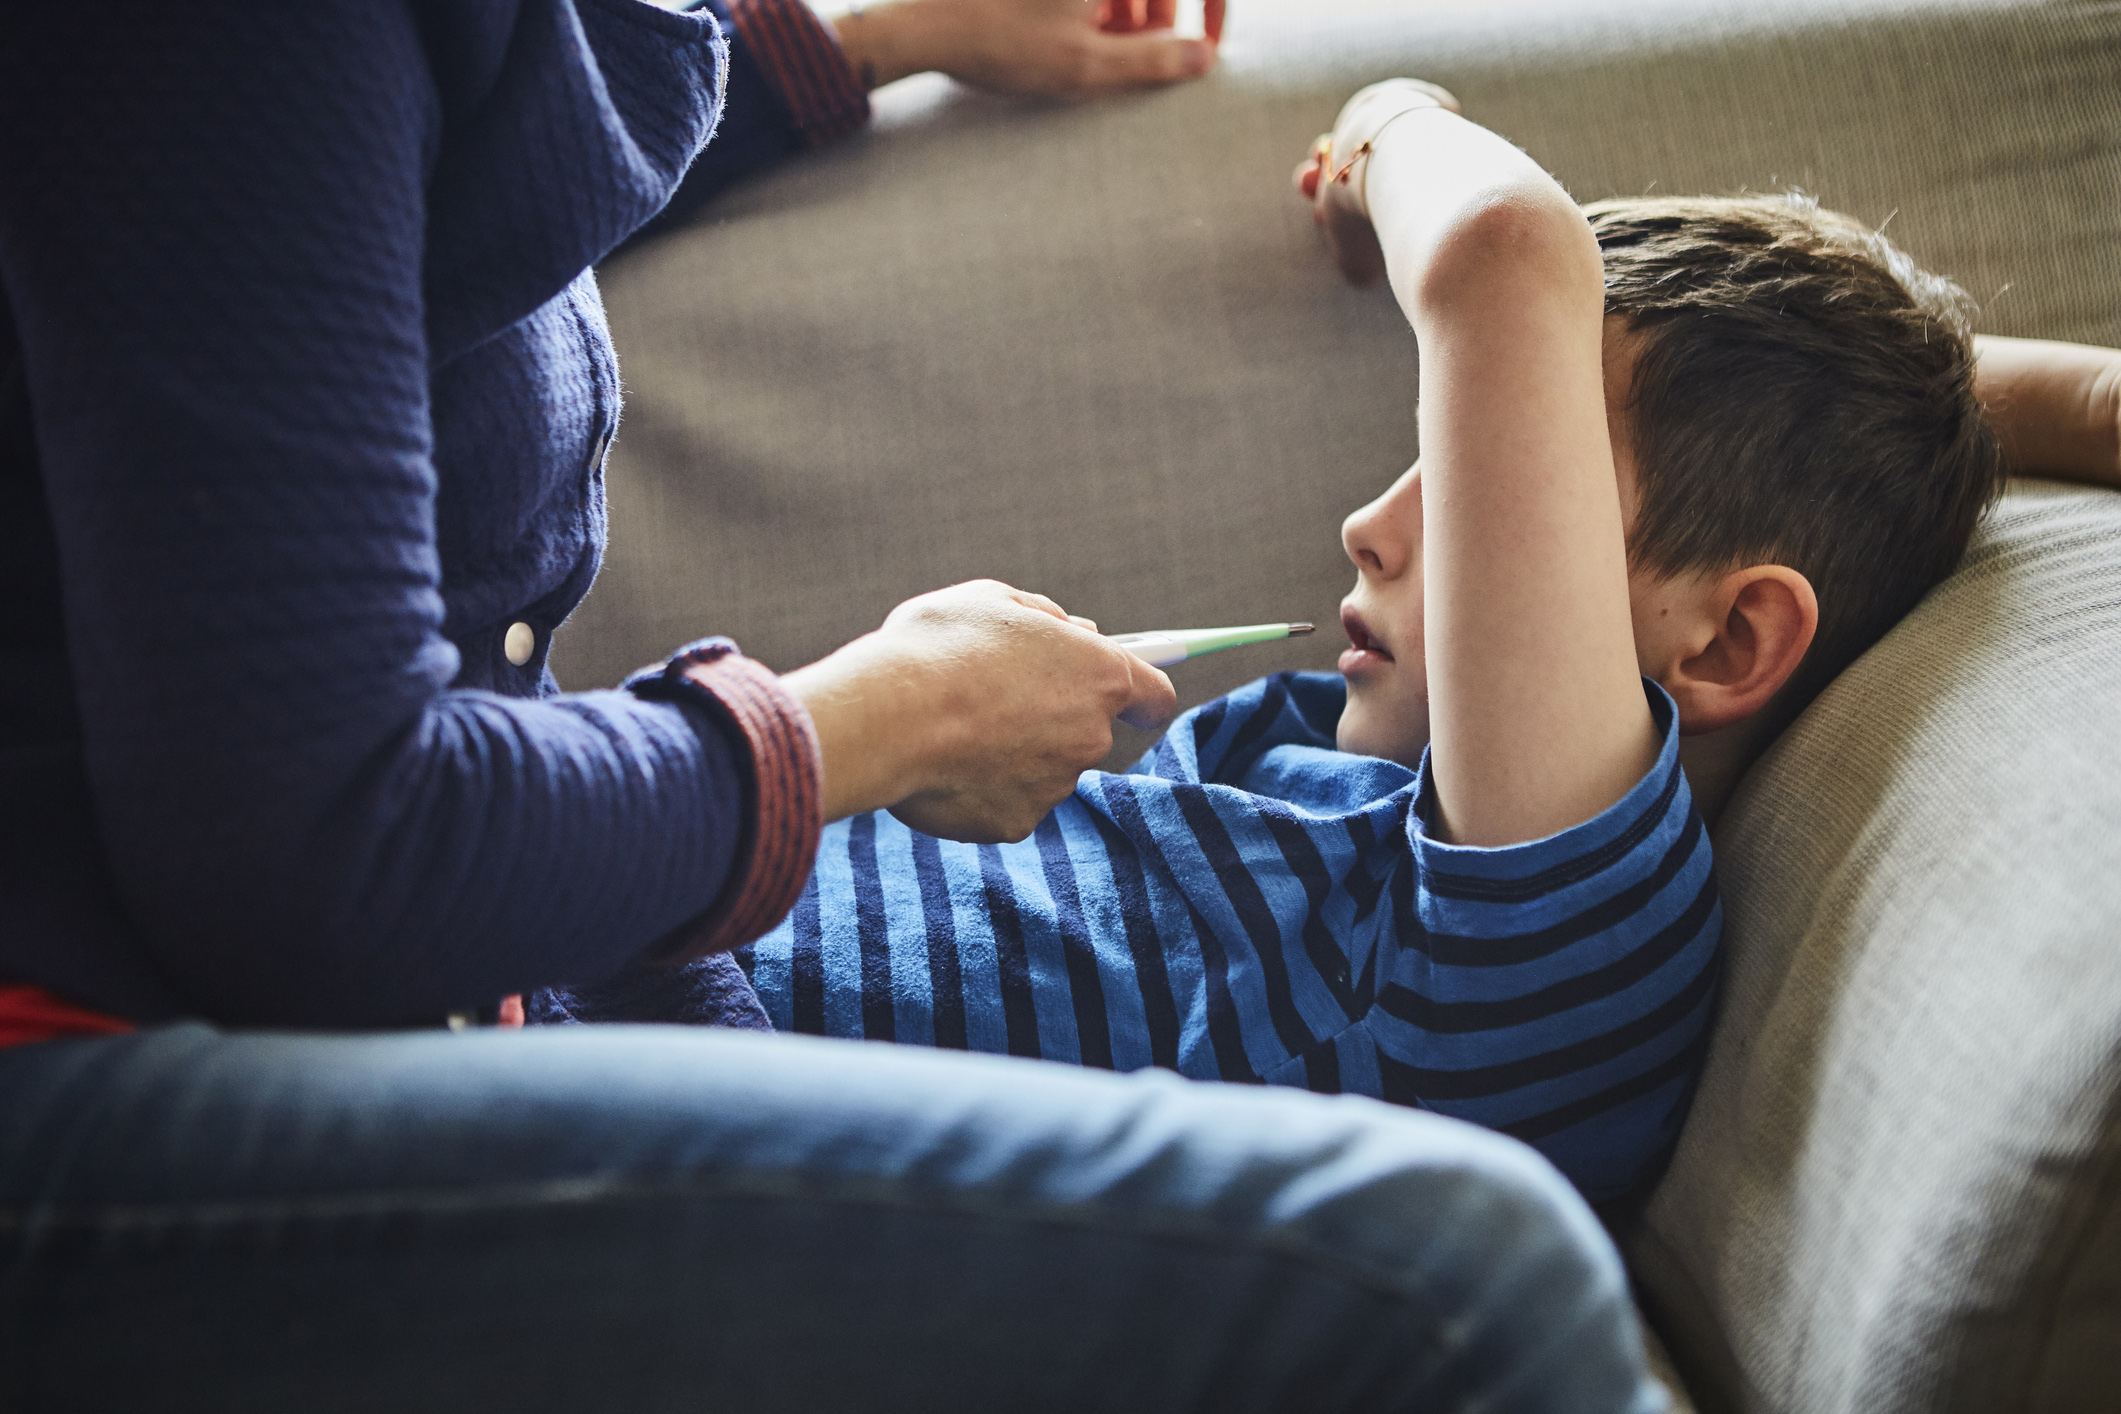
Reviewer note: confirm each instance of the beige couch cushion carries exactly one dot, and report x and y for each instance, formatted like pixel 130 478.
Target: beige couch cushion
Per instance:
pixel 1900 1187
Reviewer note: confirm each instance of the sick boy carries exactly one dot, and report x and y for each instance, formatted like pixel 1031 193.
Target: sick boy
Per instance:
pixel 1681 462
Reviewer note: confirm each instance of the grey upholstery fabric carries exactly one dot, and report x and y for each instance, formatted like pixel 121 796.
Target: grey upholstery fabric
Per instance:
pixel 1095 351
pixel 1900 1187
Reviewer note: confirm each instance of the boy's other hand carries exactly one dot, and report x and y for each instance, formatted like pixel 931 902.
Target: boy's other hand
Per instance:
pixel 1332 177
pixel 1055 48
pixel 972 710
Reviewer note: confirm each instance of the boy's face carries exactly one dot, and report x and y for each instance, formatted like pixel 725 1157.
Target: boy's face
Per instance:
pixel 1388 690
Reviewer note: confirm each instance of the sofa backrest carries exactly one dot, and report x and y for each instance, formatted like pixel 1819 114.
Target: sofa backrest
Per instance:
pixel 1095 350
pixel 1900 1186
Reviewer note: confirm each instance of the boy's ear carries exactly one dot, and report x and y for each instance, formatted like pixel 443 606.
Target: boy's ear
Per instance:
pixel 1759 622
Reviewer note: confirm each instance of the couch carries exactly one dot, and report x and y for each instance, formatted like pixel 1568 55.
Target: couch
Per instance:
pixel 1095 350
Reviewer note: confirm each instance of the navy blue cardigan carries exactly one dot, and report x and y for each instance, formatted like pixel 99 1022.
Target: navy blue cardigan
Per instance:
pixel 304 402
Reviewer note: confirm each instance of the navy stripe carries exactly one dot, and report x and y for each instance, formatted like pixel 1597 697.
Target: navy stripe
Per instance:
pixel 946 986
pixel 1366 981
pixel 1208 722
pixel 1308 867
pixel 1638 962
pixel 1364 888
pixel 1201 730
pixel 1249 903
pixel 1151 977
pixel 1225 1032
pixel 878 1021
pixel 1682 1062
pixel 1322 1068
pixel 1225 1027
pixel 1093 1032
pixel 1395 1081
pixel 1473 888
pixel 806 964
pixel 1480 1082
pixel 1511 949
pixel 1019 1010
pixel 1236 758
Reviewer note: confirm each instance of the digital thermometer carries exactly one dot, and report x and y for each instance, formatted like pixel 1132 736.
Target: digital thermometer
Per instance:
pixel 1162 647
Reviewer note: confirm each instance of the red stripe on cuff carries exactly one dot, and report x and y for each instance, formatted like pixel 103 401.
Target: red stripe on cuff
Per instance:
pixel 784 802
pixel 804 62
pixel 32 1014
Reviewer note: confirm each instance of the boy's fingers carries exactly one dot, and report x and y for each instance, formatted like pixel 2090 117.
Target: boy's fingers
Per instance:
pixel 1213 18
pixel 1125 61
pixel 1161 14
pixel 1308 174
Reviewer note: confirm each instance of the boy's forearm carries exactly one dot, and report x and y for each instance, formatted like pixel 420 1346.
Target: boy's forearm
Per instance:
pixel 2056 406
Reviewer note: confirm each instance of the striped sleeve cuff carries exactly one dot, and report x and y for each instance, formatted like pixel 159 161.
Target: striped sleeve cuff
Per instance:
pixel 805 64
pixel 783 808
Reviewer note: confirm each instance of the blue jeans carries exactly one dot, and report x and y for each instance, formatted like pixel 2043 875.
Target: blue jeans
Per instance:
pixel 651 1218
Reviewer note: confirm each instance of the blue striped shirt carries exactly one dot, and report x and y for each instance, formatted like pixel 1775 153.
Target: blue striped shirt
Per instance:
pixel 1249 904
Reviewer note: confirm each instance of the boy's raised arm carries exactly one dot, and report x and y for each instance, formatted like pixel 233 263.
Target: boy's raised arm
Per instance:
pixel 1538 719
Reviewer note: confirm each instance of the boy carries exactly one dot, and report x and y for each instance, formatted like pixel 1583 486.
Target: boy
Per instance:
pixel 1675 488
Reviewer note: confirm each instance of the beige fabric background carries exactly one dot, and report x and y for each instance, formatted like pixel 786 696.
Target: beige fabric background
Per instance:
pixel 1094 350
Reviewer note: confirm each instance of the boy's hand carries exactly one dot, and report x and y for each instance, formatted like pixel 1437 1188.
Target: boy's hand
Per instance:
pixel 1332 179
pixel 971 712
pixel 1057 48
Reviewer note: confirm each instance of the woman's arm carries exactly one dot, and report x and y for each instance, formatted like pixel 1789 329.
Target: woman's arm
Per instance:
pixel 797 81
pixel 2056 406
pixel 1059 48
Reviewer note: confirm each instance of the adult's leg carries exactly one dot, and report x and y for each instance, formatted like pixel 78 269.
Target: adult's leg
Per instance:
pixel 675 1218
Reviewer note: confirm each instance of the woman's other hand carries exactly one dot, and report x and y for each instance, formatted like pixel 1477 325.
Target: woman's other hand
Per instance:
pixel 972 710
pixel 1331 178
pixel 1057 48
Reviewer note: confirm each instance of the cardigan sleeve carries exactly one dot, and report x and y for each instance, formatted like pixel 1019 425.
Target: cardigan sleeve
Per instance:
pixel 790 89
pixel 211 233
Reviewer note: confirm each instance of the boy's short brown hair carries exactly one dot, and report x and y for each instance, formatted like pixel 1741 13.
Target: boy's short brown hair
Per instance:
pixel 1803 395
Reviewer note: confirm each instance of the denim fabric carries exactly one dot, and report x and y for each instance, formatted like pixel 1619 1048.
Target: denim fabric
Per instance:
pixel 646 1218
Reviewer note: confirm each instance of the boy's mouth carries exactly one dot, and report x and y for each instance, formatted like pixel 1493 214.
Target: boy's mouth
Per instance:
pixel 1365 650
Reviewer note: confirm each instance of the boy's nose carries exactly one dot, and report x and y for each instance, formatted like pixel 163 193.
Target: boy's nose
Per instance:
pixel 1381 537
pixel 1354 539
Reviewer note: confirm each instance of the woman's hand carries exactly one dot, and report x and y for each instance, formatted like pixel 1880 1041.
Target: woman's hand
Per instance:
pixel 1058 48
pixel 1332 177
pixel 971 712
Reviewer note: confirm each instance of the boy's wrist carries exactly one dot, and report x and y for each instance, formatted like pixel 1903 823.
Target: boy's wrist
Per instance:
pixel 1390 138
pixel 1368 119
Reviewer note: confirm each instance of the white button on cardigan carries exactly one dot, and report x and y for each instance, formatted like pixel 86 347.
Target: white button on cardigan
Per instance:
pixel 521 641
